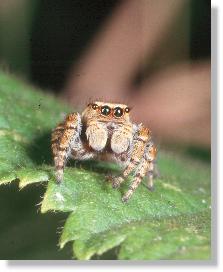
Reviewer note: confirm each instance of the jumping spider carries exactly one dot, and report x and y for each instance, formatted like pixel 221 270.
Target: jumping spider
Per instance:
pixel 104 131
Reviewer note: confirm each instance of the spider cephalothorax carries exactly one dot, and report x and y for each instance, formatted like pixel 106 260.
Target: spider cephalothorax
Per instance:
pixel 104 131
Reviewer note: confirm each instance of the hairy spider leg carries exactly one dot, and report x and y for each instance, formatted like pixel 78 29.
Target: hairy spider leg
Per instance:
pixel 62 139
pixel 145 166
pixel 140 141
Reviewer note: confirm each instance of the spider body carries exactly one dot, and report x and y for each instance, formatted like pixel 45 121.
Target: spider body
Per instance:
pixel 104 131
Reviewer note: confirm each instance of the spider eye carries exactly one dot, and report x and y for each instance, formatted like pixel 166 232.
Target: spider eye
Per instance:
pixel 94 106
pixel 127 110
pixel 118 112
pixel 105 110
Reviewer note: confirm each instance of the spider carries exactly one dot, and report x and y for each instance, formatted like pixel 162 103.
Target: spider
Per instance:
pixel 104 131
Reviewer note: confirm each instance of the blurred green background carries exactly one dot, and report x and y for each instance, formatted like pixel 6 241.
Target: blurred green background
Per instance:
pixel 40 40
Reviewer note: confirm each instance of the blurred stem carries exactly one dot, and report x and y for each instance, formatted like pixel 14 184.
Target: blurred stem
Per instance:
pixel 15 27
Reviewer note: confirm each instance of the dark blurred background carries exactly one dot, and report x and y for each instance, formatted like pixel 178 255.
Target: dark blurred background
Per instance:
pixel 41 41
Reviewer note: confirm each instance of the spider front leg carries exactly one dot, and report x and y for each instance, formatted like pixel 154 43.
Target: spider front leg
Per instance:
pixel 140 141
pixel 137 180
pixel 62 140
pixel 145 166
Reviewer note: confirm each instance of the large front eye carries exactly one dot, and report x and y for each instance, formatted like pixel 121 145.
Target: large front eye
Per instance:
pixel 118 112
pixel 105 110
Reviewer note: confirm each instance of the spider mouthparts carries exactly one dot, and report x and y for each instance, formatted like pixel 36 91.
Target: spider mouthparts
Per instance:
pixel 110 125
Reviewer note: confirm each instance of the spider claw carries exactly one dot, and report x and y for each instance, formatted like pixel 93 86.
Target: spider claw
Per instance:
pixel 125 199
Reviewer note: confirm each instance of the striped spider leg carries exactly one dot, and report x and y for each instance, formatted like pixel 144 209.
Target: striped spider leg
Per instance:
pixel 141 162
pixel 66 142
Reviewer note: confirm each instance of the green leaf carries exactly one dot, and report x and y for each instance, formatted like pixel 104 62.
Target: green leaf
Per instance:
pixel 173 222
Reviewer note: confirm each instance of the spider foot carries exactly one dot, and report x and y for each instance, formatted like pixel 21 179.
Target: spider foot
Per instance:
pixel 116 182
pixel 125 198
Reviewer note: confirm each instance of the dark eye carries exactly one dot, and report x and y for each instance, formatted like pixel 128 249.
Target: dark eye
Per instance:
pixel 94 106
pixel 127 110
pixel 105 110
pixel 118 112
